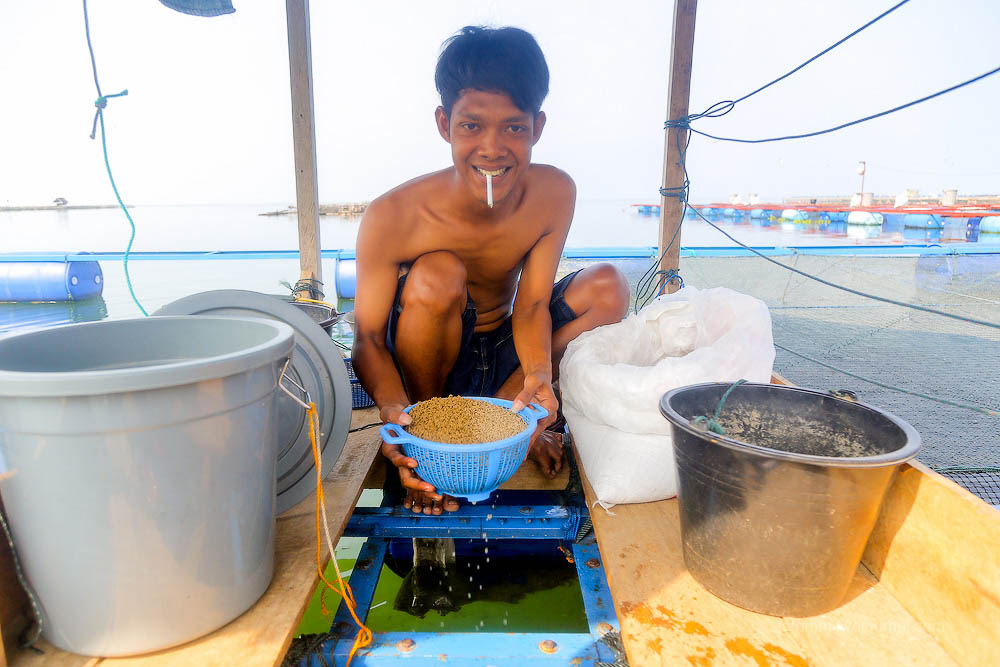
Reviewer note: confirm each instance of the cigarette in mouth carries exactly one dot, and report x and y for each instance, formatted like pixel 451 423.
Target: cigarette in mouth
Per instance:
pixel 489 190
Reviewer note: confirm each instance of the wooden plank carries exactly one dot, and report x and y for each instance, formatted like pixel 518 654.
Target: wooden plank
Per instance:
pixel 672 208
pixel 530 478
pixel 261 636
pixel 937 548
pixel 304 138
pixel 667 618
pixel 778 379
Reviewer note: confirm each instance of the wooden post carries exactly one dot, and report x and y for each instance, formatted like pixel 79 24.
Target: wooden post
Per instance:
pixel 304 139
pixel 671 208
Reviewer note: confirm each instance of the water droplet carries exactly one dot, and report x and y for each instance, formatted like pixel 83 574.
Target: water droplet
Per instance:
pixel 489 516
pixel 449 589
pixel 477 566
pixel 470 579
pixel 487 559
pixel 505 621
pixel 470 596
pixel 480 587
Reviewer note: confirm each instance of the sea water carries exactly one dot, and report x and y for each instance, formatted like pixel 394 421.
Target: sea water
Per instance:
pixel 241 227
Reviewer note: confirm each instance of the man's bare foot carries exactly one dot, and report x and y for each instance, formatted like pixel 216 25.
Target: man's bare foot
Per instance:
pixel 427 503
pixel 547 452
pixel 420 495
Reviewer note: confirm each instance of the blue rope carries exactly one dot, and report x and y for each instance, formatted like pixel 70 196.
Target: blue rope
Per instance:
pixel 101 103
pixel 824 51
pixel 853 122
pixel 725 106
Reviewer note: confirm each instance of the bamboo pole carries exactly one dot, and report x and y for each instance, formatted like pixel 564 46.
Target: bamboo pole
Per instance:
pixel 304 139
pixel 672 208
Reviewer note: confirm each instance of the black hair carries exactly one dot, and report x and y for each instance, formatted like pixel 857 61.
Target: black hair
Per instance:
pixel 506 60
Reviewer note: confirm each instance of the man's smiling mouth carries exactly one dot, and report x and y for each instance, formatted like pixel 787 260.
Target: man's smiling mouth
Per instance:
pixel 496 172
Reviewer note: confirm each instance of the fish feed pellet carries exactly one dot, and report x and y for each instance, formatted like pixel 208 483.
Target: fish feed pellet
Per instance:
pixel 463 421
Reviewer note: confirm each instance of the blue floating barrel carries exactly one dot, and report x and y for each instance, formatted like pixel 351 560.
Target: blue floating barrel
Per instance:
pixel 865 218
pixel 347 278
pixel 837 216
pixel 922 221
pixel 990 224
pixel 730 212
pixel 50 281
pixel 794 214
pixel 756 213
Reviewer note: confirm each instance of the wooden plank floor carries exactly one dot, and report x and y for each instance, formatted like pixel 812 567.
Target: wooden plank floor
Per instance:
pixel 667 618
pixel 261 636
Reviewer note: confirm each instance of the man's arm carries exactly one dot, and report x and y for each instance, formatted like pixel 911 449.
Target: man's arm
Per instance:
pixel 377 275
pixel 530 320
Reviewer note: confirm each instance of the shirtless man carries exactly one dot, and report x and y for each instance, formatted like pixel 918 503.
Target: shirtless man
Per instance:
pixel 455 296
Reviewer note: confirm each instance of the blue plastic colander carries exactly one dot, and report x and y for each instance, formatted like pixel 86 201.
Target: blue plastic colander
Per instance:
pixel 470 471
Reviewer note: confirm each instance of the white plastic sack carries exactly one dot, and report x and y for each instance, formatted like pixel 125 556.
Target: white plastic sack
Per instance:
pixel 612 378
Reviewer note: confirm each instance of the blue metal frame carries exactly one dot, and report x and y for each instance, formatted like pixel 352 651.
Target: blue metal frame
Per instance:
pixel 478 649
pixel 534 522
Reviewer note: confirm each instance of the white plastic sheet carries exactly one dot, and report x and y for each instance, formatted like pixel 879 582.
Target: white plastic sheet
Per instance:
pixel 612 378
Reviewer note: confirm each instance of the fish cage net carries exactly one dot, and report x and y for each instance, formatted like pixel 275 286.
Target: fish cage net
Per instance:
pixel 827 338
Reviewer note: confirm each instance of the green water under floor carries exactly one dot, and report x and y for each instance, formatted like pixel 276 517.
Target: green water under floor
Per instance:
pixel 558 608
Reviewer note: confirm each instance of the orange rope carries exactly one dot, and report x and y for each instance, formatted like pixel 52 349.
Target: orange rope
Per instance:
pixel 364 637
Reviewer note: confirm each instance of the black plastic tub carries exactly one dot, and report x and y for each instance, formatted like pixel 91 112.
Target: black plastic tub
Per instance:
pixel 322 314
pixel 775 515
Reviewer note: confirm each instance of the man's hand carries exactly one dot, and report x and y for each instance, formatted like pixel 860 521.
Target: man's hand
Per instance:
pixel 420 495
pixel 538 390
pixel 546 447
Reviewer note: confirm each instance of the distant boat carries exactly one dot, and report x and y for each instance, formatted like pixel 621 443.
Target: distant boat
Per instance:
pixel 647 209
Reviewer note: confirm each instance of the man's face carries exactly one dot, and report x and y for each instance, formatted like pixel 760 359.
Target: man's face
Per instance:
pixel 489 134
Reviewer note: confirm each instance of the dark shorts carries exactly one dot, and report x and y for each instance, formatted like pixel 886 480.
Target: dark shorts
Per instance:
pixel 485 360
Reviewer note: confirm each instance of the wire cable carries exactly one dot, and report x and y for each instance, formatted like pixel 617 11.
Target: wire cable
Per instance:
pixel 853 122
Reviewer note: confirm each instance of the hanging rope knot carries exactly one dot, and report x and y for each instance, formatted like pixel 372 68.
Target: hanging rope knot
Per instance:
pixel 683 123
pixel 671 275
pixel 679 192
pixel 101 103
pixel 712 423
pixel 665 278
pixel 310 286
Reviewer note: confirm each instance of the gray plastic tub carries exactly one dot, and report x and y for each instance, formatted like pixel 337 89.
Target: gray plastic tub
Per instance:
pixel 142 453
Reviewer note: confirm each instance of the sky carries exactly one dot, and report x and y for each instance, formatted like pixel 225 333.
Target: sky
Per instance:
pixel 207 118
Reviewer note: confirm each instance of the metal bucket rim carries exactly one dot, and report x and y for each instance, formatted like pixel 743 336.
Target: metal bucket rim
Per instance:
pixel 901 455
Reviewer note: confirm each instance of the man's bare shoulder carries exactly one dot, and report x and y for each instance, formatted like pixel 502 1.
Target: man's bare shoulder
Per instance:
pixel 551 176
pixel 400 204
pixel 551 193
